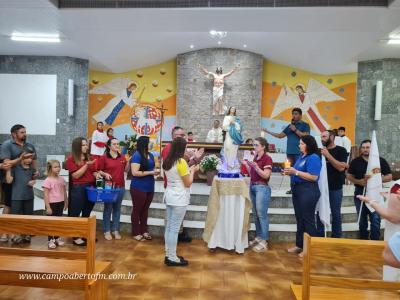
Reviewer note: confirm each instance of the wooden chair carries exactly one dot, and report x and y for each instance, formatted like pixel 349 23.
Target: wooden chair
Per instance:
pixel 44 268
pixel 336 252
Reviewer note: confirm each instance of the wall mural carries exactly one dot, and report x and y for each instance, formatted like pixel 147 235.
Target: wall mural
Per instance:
pixel 129 102
pixel 327 102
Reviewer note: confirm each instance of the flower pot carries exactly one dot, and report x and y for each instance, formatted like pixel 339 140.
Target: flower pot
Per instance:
pixel 210 176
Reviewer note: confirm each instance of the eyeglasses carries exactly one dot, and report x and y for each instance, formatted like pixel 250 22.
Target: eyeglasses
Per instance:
pixel 256 145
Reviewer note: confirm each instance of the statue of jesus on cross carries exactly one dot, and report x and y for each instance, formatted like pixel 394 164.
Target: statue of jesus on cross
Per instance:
pixel 219 105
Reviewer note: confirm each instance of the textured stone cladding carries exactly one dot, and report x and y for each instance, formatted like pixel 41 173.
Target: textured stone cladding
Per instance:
pixel 388 129
pixel 69 127
pixel 242 89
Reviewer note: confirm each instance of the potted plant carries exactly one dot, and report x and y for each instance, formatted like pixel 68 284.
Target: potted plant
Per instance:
pixel 209 165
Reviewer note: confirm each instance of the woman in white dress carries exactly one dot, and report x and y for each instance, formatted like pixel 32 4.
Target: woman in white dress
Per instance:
pixel 233 138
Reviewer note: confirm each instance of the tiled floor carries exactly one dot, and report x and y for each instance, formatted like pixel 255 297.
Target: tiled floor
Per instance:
pixel 219 275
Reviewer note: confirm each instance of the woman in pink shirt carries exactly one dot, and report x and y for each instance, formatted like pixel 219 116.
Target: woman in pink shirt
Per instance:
pixel 55 197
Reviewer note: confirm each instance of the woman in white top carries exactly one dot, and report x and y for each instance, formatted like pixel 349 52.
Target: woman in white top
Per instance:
pixel 177 196
pixel 99 141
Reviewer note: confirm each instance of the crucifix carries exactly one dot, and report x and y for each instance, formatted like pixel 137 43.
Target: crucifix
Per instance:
pixel 219 105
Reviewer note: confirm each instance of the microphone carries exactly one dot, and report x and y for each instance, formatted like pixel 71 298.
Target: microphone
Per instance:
pixel 292 122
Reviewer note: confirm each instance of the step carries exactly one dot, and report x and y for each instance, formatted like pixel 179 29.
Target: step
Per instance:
pixel 278 232
pixel 279 198
pixel 199 213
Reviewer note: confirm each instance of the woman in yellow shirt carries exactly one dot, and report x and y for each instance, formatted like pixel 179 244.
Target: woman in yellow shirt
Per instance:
pixel 177 197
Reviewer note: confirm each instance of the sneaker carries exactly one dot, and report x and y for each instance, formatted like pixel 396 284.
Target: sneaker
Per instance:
pixel 108 236
pixel 4 237
pixel 26 239
pixel 17 239
pixel 79 242
pixel 117 236
pixel 180 263
pixel 60 241
pixel 166 259
pixel 52 244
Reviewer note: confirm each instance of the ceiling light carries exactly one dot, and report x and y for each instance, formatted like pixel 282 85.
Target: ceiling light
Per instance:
pixel 244 46
pixel 393 42
pixel 218 34
pixel 35 38
pixel 191 46
pixel 219 42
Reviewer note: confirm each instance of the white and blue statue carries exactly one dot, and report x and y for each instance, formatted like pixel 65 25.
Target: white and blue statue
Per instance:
pixel 230 166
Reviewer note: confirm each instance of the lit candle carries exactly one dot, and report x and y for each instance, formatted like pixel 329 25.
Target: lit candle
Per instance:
pixel 286 164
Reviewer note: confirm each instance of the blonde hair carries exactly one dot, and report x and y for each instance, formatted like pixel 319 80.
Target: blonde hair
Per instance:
pixel 49 166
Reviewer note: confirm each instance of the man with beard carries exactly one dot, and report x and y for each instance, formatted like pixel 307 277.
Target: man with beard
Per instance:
pixel 356 174
pixel 12 152
pixel 336 165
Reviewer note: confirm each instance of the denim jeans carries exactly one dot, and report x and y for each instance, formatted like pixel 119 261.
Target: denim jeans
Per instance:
pixel 260 196
pixel 292 158
pixel 79 202
pixel 115 207
pixel 335 201
pixel 175 215
pixel 305 197
pixel 374 218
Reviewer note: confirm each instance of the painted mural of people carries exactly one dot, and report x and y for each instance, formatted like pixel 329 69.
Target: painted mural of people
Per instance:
pixel 123 90
pixel 306 99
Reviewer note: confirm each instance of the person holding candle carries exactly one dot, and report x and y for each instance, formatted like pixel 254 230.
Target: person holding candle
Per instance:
pixel 294 131
pixel 260 170
pixel 305 190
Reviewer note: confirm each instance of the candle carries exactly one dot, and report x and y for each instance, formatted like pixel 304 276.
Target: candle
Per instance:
pixel 286 164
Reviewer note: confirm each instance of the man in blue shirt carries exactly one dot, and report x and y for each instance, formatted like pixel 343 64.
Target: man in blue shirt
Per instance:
pixel 296 129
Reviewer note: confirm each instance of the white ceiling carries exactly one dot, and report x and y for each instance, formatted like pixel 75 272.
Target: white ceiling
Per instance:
pixel 324 40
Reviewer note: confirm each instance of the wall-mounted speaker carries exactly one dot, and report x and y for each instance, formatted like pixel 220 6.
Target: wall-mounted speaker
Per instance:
pixel 70 98
pixel 378 101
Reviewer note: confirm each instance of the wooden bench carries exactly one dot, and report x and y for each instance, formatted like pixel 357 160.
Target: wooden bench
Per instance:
pixel 17 262
pixel 319 283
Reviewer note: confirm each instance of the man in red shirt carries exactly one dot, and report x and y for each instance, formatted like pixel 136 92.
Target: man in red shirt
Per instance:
pixel 192 158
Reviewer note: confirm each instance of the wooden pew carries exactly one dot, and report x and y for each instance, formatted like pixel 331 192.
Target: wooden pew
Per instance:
pixel 17 262
pixel 319 284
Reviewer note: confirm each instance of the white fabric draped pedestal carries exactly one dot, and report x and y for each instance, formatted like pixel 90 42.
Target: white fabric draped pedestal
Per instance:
pixel 228 212
pixel 228 230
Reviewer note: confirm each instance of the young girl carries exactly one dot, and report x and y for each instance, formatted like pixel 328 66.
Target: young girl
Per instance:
pixel 55 197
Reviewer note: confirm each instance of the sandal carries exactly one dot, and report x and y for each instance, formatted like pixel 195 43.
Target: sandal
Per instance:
pixel 147 236
pixel 261 247
pixel 254 242
pixel 138 237
pixel 294 250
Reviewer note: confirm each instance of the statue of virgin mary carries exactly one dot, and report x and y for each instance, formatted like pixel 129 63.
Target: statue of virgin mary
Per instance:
pixel 233 138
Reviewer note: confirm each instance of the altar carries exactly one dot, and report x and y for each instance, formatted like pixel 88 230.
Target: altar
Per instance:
pixel 228 215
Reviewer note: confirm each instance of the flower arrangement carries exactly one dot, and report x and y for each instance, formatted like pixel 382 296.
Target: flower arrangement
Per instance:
pixel 209 163
pixel 129 144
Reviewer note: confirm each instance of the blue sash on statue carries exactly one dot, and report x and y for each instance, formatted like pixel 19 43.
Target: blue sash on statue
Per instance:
pixel 236 135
